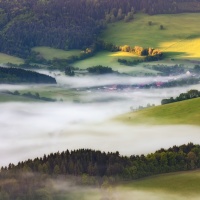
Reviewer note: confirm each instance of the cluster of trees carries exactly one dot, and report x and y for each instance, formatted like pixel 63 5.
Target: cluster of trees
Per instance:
pixel 148 54
pixel 93 166
pixel 141 51
pixel 15 75
pixel 99 69
pixel 183 96
pixel 70 24
pixel 168 70
pixel 196 69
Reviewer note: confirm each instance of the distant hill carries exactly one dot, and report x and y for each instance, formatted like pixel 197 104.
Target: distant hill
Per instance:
pixel 184 112
pixel 71 24
pixel 14 75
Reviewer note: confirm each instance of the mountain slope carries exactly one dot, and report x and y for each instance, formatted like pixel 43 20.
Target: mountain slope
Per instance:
pixel 184 112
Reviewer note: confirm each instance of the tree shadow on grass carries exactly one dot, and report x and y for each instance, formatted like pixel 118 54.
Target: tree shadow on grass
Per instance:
pixel 171 54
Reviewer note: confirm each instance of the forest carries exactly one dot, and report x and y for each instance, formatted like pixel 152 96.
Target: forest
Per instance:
pixel 92 167
pixel 14 75
pixel 71 24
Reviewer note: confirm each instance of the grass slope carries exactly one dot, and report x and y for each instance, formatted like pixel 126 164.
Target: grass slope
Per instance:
pixel 180 37
pixel 4 58
pixel 14 98
pixel 184 112
pixel 185 183
pixel 50 53
pixel 110 59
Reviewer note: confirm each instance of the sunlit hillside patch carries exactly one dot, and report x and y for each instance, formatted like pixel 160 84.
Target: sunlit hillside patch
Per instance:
pixel 179 37
pixel 188 48
pixel 5 58
pixel 184 112
pixel 121 54
pixel 51 53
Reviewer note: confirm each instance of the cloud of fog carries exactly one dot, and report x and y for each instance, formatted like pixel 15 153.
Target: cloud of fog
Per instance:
pixel 29 130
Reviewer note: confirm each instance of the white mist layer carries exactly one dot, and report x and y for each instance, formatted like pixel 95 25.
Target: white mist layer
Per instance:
pixel 32 130
pixel 29 130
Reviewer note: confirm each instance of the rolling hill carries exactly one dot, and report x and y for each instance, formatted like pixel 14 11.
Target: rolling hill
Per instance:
pixel 179 185
pixel 184 112
pixel 177 39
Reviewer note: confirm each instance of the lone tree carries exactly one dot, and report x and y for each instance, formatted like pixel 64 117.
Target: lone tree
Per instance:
pixel 161 27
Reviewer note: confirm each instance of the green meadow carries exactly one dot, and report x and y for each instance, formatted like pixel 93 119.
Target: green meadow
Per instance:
pixel 185 183
pixel 109 59
pixel 180 37
pixel 50 53
pixel 5 58
pixel 15 98
pixel 184 112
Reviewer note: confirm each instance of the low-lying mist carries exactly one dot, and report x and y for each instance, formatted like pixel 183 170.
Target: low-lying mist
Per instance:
pixel 29 130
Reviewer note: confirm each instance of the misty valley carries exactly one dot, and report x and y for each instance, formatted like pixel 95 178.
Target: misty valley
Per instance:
pixel 99 100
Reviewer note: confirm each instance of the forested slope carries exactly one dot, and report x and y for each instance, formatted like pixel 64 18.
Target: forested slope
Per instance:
pixel 71 24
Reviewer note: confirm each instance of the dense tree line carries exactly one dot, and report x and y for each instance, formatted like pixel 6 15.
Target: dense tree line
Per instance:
pixel 15 75
pixel 99 69
pixel 183 96
pixel 97 163
pixel 70 24
pixel 166 70
pixel 31 179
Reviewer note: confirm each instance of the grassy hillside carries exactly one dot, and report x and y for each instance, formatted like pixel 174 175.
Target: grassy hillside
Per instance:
pixel 180 182
pixel 184 112
pixel 110 59
pixel 180 37
pixel 14 98
pixel 50 53
pixel 4 58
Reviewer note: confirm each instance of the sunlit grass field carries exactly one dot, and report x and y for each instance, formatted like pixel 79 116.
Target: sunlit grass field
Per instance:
pixel 5 58
pixel 110 59
pixel 184 112
pixel 180 37
pixel 51 53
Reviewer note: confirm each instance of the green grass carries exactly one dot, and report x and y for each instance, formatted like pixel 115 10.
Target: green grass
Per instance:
pixel 110 59
pixel 50 53
pixel 55 92
pixel 4 58
pixel 184 112
pixel 15 98
pixel 180 38
pixel 185 183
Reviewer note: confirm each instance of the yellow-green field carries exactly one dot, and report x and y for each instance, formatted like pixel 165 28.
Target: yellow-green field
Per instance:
pixel 186 184
pixel 180 37
pixel 50 53
pixel 4 58
pixel 110 59
pixel 184 112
